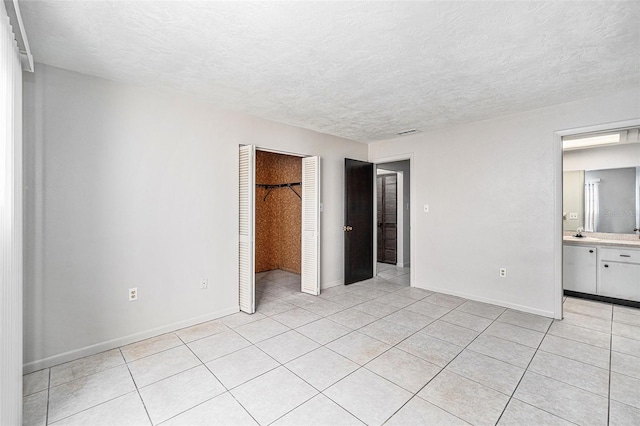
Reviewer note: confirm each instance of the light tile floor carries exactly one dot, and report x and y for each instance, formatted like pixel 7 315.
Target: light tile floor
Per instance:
pixel 376 352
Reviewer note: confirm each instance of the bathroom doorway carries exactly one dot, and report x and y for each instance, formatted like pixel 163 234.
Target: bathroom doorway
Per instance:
pixel 584 157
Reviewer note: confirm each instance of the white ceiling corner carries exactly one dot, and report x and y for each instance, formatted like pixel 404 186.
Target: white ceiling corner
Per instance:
pixel 361 70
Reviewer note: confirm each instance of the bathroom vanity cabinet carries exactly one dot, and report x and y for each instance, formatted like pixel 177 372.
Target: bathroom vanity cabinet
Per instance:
pixel 601 270
pixel 619 272
pixel 580 268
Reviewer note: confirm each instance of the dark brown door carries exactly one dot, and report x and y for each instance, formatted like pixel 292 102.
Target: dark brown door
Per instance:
pixel 387 204
pixel 358 220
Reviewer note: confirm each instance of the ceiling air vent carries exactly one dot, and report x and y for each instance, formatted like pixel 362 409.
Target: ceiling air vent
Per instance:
pixel 408 132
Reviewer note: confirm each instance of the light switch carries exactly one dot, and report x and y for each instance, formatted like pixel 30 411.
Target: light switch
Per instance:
pixel 573 215
pixel 426 208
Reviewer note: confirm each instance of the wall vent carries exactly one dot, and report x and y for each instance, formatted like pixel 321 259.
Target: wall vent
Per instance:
pixel 408 132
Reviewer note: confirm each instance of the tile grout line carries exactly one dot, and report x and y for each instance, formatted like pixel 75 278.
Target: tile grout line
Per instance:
pixel 522 377
pixel 439 372
pixel 219 381
pixel 46 421
pixel 353 372
pixel 136 386
pixel 610 368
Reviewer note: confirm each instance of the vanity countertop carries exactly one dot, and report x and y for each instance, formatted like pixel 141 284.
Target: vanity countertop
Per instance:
pixel 590 241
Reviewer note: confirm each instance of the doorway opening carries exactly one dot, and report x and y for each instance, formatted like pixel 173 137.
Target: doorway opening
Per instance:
pixel 393 218
pixel 361 223
pixel 585 159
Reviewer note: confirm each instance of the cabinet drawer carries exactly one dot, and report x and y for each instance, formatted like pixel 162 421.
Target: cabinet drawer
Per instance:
pixel 620 255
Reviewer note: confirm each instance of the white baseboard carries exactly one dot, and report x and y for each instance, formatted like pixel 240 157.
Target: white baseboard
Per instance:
pixel 528 309
pixel 324 286
pixel 121 341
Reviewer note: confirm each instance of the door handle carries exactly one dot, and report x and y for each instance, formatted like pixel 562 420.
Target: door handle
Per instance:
pixel 347 228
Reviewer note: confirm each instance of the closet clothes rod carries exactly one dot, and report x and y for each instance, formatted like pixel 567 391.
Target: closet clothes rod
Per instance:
pixel 280 185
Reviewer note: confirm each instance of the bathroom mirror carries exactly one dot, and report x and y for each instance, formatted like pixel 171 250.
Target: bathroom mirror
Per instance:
pixel 602 200
pixel 601 186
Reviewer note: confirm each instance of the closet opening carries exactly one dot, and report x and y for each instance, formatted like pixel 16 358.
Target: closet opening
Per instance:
pixel 278 226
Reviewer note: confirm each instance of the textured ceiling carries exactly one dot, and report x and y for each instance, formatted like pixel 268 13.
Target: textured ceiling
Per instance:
pixel 361 70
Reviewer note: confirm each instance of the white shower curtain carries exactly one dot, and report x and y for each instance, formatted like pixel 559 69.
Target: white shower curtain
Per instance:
pixel 591 206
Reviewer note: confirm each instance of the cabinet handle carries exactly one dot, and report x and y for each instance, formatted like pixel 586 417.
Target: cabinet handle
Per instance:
pixel 606 266
pixel 625 255
pixel 590 251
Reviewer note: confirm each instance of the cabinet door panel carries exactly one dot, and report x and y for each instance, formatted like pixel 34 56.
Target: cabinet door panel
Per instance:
pixel 620 280
pixel 579 269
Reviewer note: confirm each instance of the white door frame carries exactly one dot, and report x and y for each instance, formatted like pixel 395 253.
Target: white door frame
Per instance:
pixel 399 217
pixel 557 157
pixel 412 211
pixel 253 212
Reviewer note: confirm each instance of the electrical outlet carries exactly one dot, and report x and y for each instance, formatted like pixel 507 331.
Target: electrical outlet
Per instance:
pixel 204 283
pixel 503 272
pixel 133 294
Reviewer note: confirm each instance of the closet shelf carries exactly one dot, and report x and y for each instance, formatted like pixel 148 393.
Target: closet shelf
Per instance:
pixel 279 185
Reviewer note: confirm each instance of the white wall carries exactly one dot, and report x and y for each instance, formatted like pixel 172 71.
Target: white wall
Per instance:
pixel 604 157
pixel 573 199
pixel 491 190
pixel 128 187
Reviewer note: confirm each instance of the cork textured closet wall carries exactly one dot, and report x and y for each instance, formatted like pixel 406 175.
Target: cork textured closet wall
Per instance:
pixel 279 216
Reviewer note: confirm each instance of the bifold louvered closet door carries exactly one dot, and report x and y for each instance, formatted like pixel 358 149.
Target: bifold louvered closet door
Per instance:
pixel 310 277
pixel 311 225
pixel 247 229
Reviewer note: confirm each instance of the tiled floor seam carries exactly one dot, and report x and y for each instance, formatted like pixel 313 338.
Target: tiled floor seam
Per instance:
pixel 610 368
pixel 577 341
pixel 137 390
pixel 574 360
pixel 441 370
pixel 588 328
pixel 294 408
pixel 541 409
pixel 523 374
pixel 345 409
pixel 46 422
pixel 359 366
pixel 93 406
